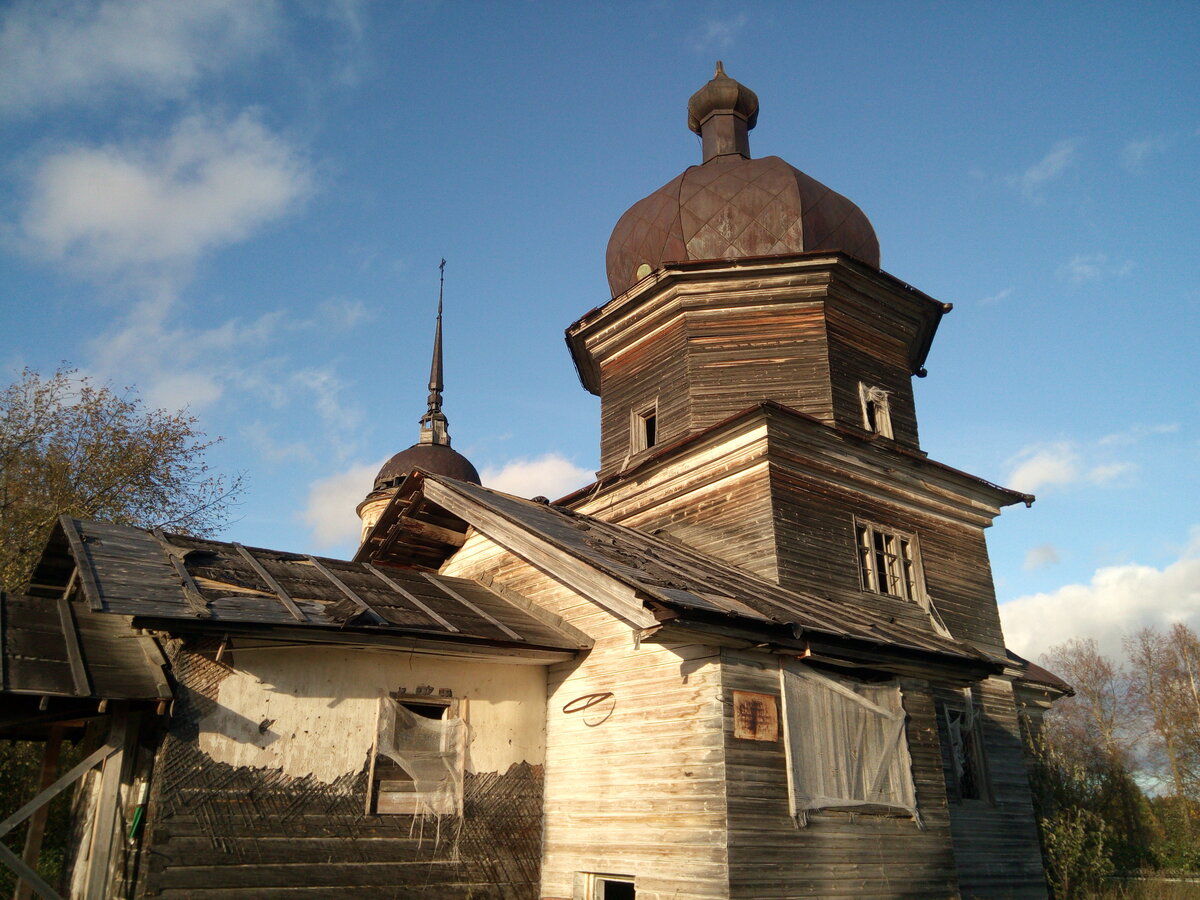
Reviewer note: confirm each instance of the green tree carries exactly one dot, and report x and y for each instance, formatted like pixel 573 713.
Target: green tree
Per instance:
pixel 69 446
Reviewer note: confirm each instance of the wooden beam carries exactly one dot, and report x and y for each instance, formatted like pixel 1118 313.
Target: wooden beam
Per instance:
pixel 471 606
pixel 409 596
pixel 266 576
pixel 66 618
pixel 83 563
pixel 105 821
pixel 432 532
pixel 55 789
pixel 191 591
pixel 37 822
pixel 27 874
pixel 341 586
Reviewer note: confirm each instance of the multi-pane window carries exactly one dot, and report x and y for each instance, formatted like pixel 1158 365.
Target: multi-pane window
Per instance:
pixel 888 562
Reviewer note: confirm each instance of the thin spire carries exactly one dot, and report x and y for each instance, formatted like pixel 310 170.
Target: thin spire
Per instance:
pixel 433 423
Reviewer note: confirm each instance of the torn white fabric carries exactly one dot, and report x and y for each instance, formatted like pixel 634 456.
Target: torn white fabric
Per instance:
pixel 430 751
pixel 845 743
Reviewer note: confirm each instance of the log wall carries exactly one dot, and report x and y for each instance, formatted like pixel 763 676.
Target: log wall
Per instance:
pixel 219 829
pixel 635 782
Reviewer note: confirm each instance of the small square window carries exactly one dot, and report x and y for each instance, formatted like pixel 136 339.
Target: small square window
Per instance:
pixel 609 887
pixel 643 429
pixel 877 415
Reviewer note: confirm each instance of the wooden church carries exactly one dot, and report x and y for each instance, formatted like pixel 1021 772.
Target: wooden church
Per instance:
pixel 759 657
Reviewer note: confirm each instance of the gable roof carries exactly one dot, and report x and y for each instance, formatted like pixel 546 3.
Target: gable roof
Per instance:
pixel 648 579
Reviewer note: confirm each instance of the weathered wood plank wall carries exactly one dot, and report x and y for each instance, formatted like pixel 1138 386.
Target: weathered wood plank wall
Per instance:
pixel 635 783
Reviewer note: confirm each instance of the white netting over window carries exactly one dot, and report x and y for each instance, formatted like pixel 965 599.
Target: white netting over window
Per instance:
pixel 430 751
pixel 846 745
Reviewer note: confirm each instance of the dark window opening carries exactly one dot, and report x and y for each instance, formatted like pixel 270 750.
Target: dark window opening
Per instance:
pixel 650 423
pixel 967 770
pixel 872 424
pixel 616 890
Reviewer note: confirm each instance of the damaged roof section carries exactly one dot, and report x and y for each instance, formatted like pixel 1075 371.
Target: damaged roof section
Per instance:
pixel 217 585
pixel 671 580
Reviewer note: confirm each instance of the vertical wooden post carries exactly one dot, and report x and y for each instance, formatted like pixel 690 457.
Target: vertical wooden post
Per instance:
pixel 37 822
pixel 105 822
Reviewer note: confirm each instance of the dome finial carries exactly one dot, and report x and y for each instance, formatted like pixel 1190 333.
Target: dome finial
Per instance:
pixel 722 113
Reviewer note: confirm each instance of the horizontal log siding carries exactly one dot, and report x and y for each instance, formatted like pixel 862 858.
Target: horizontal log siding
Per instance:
pixel 996 843
pixel 860 352
pixel 836 854
pixel 635 786
pixel 216 830
pixel 656 369
pixel 818 552
pixel 739 357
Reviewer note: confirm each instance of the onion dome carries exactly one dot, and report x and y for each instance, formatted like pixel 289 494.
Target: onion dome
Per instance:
pixel 732 206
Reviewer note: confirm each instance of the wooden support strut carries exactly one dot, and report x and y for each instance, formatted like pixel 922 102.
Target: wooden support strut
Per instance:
pixel 191 591
pixel 83 563
pixel 441 585
pixel 410 597
pixel 66 617
pixel 341 586
pixel 275 586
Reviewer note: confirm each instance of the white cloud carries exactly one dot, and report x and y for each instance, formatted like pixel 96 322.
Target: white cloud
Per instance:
pixel 329 511
pixel 1051 166
pixel 1118 601
pixel 1045 465
pixel 73 52
pixel 718 34
pixel 1062 463
pixel 550 476
pixel 1085 267
pixel 1040 557
pixel 1135 154
pixel 142 209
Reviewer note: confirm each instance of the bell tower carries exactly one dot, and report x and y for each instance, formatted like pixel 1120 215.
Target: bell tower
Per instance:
pixel 754 368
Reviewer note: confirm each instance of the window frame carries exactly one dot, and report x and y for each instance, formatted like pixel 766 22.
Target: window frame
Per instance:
pixel 876 410
pixel 970 747
pixel 408 803
pixel 889 557
pixel 643 427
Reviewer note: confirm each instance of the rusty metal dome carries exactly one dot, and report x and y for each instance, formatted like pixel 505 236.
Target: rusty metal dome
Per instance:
pixel 732 206
pixel 440 459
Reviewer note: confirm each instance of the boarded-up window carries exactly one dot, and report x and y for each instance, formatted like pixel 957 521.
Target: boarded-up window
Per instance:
pixel 420 753
pixel 846 746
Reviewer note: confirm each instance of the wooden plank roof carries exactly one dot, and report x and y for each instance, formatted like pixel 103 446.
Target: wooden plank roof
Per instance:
pixel 211 584
pixel 667 573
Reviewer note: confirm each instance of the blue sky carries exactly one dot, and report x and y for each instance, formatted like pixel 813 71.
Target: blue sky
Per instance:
pixel 239 207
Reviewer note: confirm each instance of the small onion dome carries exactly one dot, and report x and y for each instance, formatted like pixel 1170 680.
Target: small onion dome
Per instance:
pixel 722 94
pixel 732 206
pixel 440 459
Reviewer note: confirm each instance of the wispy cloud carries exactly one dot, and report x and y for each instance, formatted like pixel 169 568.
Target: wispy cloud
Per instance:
pixel 717 34
pixel 1136 154
pixel 70 53
pixel 997 297
pixel 1119 600
pixel 1040 557
pixel 1135 433
pixel 1086 267
pixel 1050 167
pixel 1061 463
pixel 156 206
pixel 549 476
